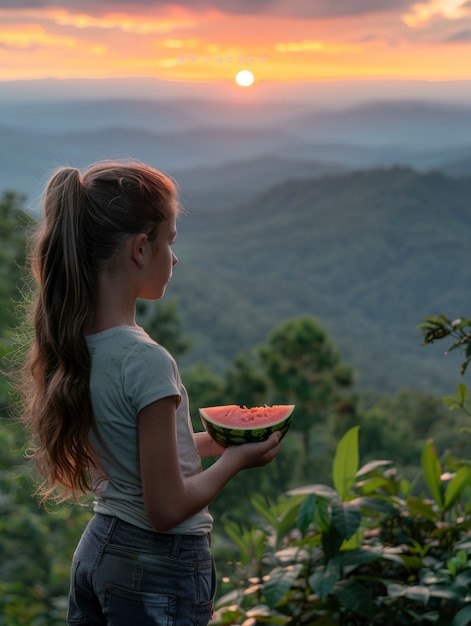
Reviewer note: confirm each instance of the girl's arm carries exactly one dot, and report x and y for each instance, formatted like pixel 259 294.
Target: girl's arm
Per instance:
pixel 169 497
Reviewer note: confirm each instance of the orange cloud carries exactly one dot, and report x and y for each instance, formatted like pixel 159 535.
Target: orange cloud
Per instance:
pixel 448 9
pixel 176 43
pixel 32 35
pixel 130 23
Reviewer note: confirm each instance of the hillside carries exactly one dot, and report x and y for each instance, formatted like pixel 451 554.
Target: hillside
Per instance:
pixel 368 253
pixel 224 153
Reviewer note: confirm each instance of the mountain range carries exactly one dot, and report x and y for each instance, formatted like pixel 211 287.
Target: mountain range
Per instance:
pixel 359 215
pixel 368 253
pixel 222 153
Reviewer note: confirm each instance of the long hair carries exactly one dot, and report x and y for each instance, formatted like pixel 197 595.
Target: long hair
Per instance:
pixel 86 218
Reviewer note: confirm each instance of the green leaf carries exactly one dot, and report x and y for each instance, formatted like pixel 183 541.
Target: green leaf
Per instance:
pixel 262 614
pixel 346 462
pixel 353 543
pixel 432 471
pixel 376 505
pixel 323 491
pixel 322 515
pixel 355 597
pixel 462 618
pixel 279 582
pixel 437 320
pixel 260 504
pixel 361 556
pixel 323 580
pixel 346 516
pixel 456 486
pixel 462 393
pixel 418 507
pixel 306 513
pixel 251 544
pixel 418 593
pixel 404 485
pixel 233 531
pixel 371 466
pixel 370 485
pixel 286 524
pixel 332 539
pixel 451 402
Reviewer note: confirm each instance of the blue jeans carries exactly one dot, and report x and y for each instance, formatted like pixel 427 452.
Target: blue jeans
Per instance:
pixel 123 575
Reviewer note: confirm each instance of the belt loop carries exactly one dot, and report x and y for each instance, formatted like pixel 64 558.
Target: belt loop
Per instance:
pixel 113 523
pixel 177 542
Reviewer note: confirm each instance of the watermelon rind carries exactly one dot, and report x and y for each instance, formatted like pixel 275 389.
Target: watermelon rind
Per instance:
pixel 229 436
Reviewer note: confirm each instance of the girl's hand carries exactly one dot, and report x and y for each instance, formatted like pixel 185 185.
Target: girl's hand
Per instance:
pixel 256 454
pixel 169 497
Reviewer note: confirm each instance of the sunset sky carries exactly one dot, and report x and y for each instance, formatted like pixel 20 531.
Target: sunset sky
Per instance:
pixel 196 41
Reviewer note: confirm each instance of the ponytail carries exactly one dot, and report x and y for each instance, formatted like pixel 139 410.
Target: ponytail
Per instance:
pixel 61 264
pixel 85 220
pixel 60 413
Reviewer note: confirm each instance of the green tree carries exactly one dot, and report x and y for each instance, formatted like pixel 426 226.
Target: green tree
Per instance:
pixel 13 224
pixel 305 369
pixel 163 323
pixel 245 383
pixel 205 388
pixel 36 544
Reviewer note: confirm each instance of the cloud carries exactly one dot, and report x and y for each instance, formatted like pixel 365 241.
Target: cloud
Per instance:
pixel 287 8
pixel 315 46
pixel 445 9
pixel 33 37
pixel 460 36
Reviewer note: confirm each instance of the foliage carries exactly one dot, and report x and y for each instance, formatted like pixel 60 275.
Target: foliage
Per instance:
pixel 162 321
pixel 305 369
pixel 459 330
pixel 369 550
pixel 369 253
pixel 36 544
pixel 315 550
pixel 13 224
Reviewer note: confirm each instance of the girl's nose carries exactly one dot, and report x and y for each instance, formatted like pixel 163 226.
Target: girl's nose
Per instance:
pixel 174 259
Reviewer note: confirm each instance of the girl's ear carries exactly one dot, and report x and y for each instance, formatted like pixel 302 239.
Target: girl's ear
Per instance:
pixel 139 248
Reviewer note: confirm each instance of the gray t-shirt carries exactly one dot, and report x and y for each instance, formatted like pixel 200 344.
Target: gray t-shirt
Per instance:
pixel 130 371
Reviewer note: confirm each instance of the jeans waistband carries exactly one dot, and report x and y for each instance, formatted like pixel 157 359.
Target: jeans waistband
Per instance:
pixel 122 533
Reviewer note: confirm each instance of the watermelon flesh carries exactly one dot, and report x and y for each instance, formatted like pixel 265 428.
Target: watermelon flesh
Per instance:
pixel 233 425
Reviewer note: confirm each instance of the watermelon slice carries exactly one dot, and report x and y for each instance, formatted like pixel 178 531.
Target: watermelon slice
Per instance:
pixel 231 425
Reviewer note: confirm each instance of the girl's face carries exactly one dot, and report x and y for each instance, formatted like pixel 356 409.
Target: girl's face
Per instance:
pixel 160 259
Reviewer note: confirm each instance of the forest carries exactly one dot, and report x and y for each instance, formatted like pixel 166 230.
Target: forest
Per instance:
pixel 339 295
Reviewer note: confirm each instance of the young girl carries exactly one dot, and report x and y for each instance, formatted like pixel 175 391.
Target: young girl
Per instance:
pixel 106 407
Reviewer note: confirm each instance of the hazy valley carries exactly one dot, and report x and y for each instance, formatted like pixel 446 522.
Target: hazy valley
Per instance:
pixel 338 213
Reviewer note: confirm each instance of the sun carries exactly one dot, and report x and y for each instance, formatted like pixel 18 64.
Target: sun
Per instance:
pixel 244 78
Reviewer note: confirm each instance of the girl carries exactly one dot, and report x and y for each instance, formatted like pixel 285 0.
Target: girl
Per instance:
pixel 106 407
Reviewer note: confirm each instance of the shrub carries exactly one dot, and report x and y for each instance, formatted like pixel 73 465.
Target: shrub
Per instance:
pixel 367 551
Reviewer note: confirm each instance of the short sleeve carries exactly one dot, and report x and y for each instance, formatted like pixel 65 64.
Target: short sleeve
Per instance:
pixel 150 374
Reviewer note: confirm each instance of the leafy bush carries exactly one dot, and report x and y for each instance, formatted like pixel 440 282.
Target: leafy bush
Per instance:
pixel 368 551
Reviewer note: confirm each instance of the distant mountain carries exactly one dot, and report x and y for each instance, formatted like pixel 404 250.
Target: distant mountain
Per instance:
pixel 370 253
pixel 224 153
pixel 153 115
pixel 208 145
pixel 28 156
pixel 405 123
pixel 235 183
